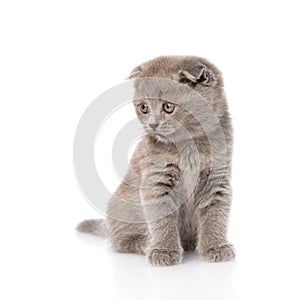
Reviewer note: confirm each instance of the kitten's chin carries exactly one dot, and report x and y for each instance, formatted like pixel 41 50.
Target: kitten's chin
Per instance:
pixel 174 136
pixel 160 137
pixel 162 133
pixel 169 137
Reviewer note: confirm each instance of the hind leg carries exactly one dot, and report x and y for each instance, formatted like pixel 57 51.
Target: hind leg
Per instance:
pixel 130 244
pixel 127 237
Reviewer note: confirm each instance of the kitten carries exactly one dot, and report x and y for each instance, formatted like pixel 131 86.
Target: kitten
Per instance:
pixel 176 195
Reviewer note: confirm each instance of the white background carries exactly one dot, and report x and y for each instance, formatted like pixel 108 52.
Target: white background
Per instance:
pixel 57 56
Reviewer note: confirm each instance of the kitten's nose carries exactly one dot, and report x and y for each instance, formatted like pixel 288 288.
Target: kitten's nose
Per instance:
pixel 153 125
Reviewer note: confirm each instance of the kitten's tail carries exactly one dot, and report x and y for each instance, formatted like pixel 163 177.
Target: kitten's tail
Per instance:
pixel 96 227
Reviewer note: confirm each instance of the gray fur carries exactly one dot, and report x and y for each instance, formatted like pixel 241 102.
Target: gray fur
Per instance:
pixel 96 227
pixel 154 188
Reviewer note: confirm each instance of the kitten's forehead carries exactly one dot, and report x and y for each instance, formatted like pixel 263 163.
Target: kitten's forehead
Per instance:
pixel 164 90
pixel 155 105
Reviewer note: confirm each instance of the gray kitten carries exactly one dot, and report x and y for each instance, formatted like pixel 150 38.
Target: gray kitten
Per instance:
pixel 176 196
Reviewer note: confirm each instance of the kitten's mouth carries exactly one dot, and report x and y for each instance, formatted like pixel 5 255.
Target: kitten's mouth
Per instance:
pixel 162 133
pixel 156 133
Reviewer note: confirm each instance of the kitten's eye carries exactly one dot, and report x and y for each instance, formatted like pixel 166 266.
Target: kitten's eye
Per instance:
pixel 169 107
pixel 144 108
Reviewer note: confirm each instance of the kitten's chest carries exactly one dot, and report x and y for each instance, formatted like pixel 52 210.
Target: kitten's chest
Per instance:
pixel 194 171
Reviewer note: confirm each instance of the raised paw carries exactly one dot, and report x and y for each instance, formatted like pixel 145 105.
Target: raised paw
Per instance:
pixel 163 257
pixel 220 253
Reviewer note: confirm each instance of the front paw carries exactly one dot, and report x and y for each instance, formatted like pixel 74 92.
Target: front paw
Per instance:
pixel 164 257
pixel 220 253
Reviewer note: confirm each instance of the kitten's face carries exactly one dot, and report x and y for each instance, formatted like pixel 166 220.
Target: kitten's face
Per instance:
pixel 158 117
pixel 161 118
pixel 177 94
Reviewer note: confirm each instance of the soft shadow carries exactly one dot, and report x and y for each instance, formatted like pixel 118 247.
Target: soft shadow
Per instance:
pixel 91 240
pixel 134 278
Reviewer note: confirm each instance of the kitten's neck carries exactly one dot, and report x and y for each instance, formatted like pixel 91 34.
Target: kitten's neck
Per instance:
pixel 177 144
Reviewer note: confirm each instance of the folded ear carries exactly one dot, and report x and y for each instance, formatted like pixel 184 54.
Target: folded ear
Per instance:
pixel 200 74
pixel 135 72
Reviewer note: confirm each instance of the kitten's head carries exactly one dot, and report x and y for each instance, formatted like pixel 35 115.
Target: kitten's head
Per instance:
pixel 172 93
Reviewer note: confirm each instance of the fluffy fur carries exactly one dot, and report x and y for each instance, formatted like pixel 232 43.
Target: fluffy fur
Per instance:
pixel 152 212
